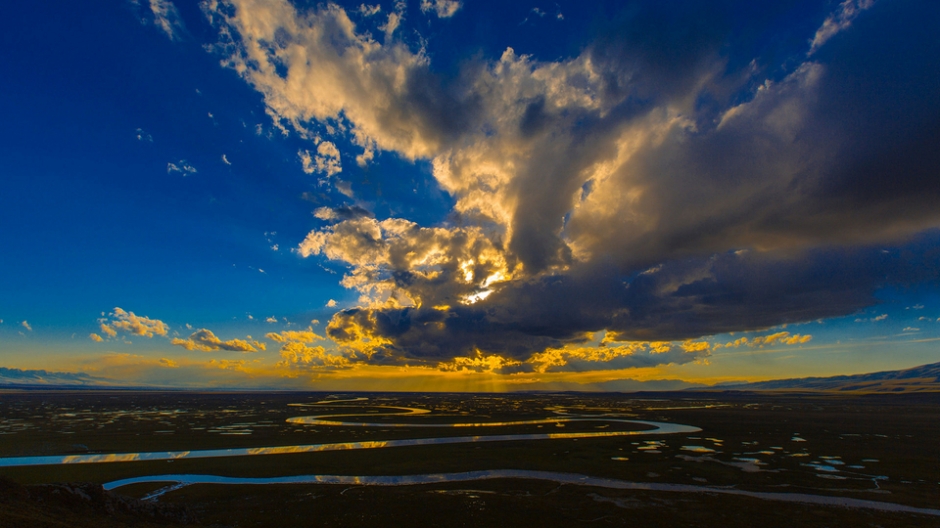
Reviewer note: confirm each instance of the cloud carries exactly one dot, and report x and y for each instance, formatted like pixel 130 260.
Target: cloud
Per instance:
pixel 27 326
pixel 838 21
pixel 225 160
pixel 107 330
pixel 298 355
pixel 168 363
pixel 183 167
pixel 95 337
pixel 875 319
pixel 369 10
pixel 325 161
pixel 204 340
pixel 271 319
pixel 331 303
pixel 230 364
pixel 129 322
pixel 301 336
pixel 343 212
pixel 629 355
pixel 441 8
pixel 167 18
pixel 662 185
pixel 777 338
pixel 144 136
pixel 391 24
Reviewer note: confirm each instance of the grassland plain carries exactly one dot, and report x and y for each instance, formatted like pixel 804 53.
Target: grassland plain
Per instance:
pixel 873 447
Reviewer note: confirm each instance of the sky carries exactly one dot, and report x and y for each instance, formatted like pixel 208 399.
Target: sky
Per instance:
pixel 462 195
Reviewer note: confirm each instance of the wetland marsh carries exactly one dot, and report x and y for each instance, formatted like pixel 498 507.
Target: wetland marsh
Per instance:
pixel 617 458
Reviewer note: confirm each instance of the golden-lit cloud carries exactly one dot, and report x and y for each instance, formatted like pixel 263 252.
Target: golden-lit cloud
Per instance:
pixel 169 363
pixel 230 364
pixel 204 340
pixel 95 337
pixel 129 322
pixel 302 336
pixel 621 356
pixel 295 354
pixel 776 338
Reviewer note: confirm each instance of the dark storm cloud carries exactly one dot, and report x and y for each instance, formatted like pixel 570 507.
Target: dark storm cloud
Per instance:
pixel 695 170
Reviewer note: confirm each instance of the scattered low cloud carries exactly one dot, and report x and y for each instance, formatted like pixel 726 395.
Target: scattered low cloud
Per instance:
pixel 331 303
pixel 204 340
pixel 225 160
pixel 271 319
pixel 183 167
pixel 627 355
pixel 144 136
pixel 777 338
pixel 95 337
pixel 301 336
pixel 128 322
pixel 27 326
pixel 875 319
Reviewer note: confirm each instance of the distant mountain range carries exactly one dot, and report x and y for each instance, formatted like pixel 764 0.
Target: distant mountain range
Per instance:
pixel 925 378
pixel 17 377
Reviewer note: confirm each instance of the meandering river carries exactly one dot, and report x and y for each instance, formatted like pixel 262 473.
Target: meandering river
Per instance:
pixel 178 481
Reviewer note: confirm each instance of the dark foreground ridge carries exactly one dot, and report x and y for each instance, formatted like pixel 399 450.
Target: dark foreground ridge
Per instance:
pixel 82 505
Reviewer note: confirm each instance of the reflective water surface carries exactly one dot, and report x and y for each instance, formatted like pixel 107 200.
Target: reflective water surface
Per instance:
pixel 179 481
pixel 657 428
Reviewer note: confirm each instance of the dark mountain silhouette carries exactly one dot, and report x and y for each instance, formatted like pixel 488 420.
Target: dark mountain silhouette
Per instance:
pixel 925 378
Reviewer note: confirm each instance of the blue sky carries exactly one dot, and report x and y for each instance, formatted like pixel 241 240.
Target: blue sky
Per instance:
pixel 468 195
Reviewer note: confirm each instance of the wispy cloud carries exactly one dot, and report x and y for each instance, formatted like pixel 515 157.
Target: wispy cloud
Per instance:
pixel 167 18
pixel 838 21
pixel 369 10
pixel 441 8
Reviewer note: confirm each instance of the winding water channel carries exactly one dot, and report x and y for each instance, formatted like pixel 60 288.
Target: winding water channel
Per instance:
pixel 336 420
pixel 657 428
pixel 178 481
